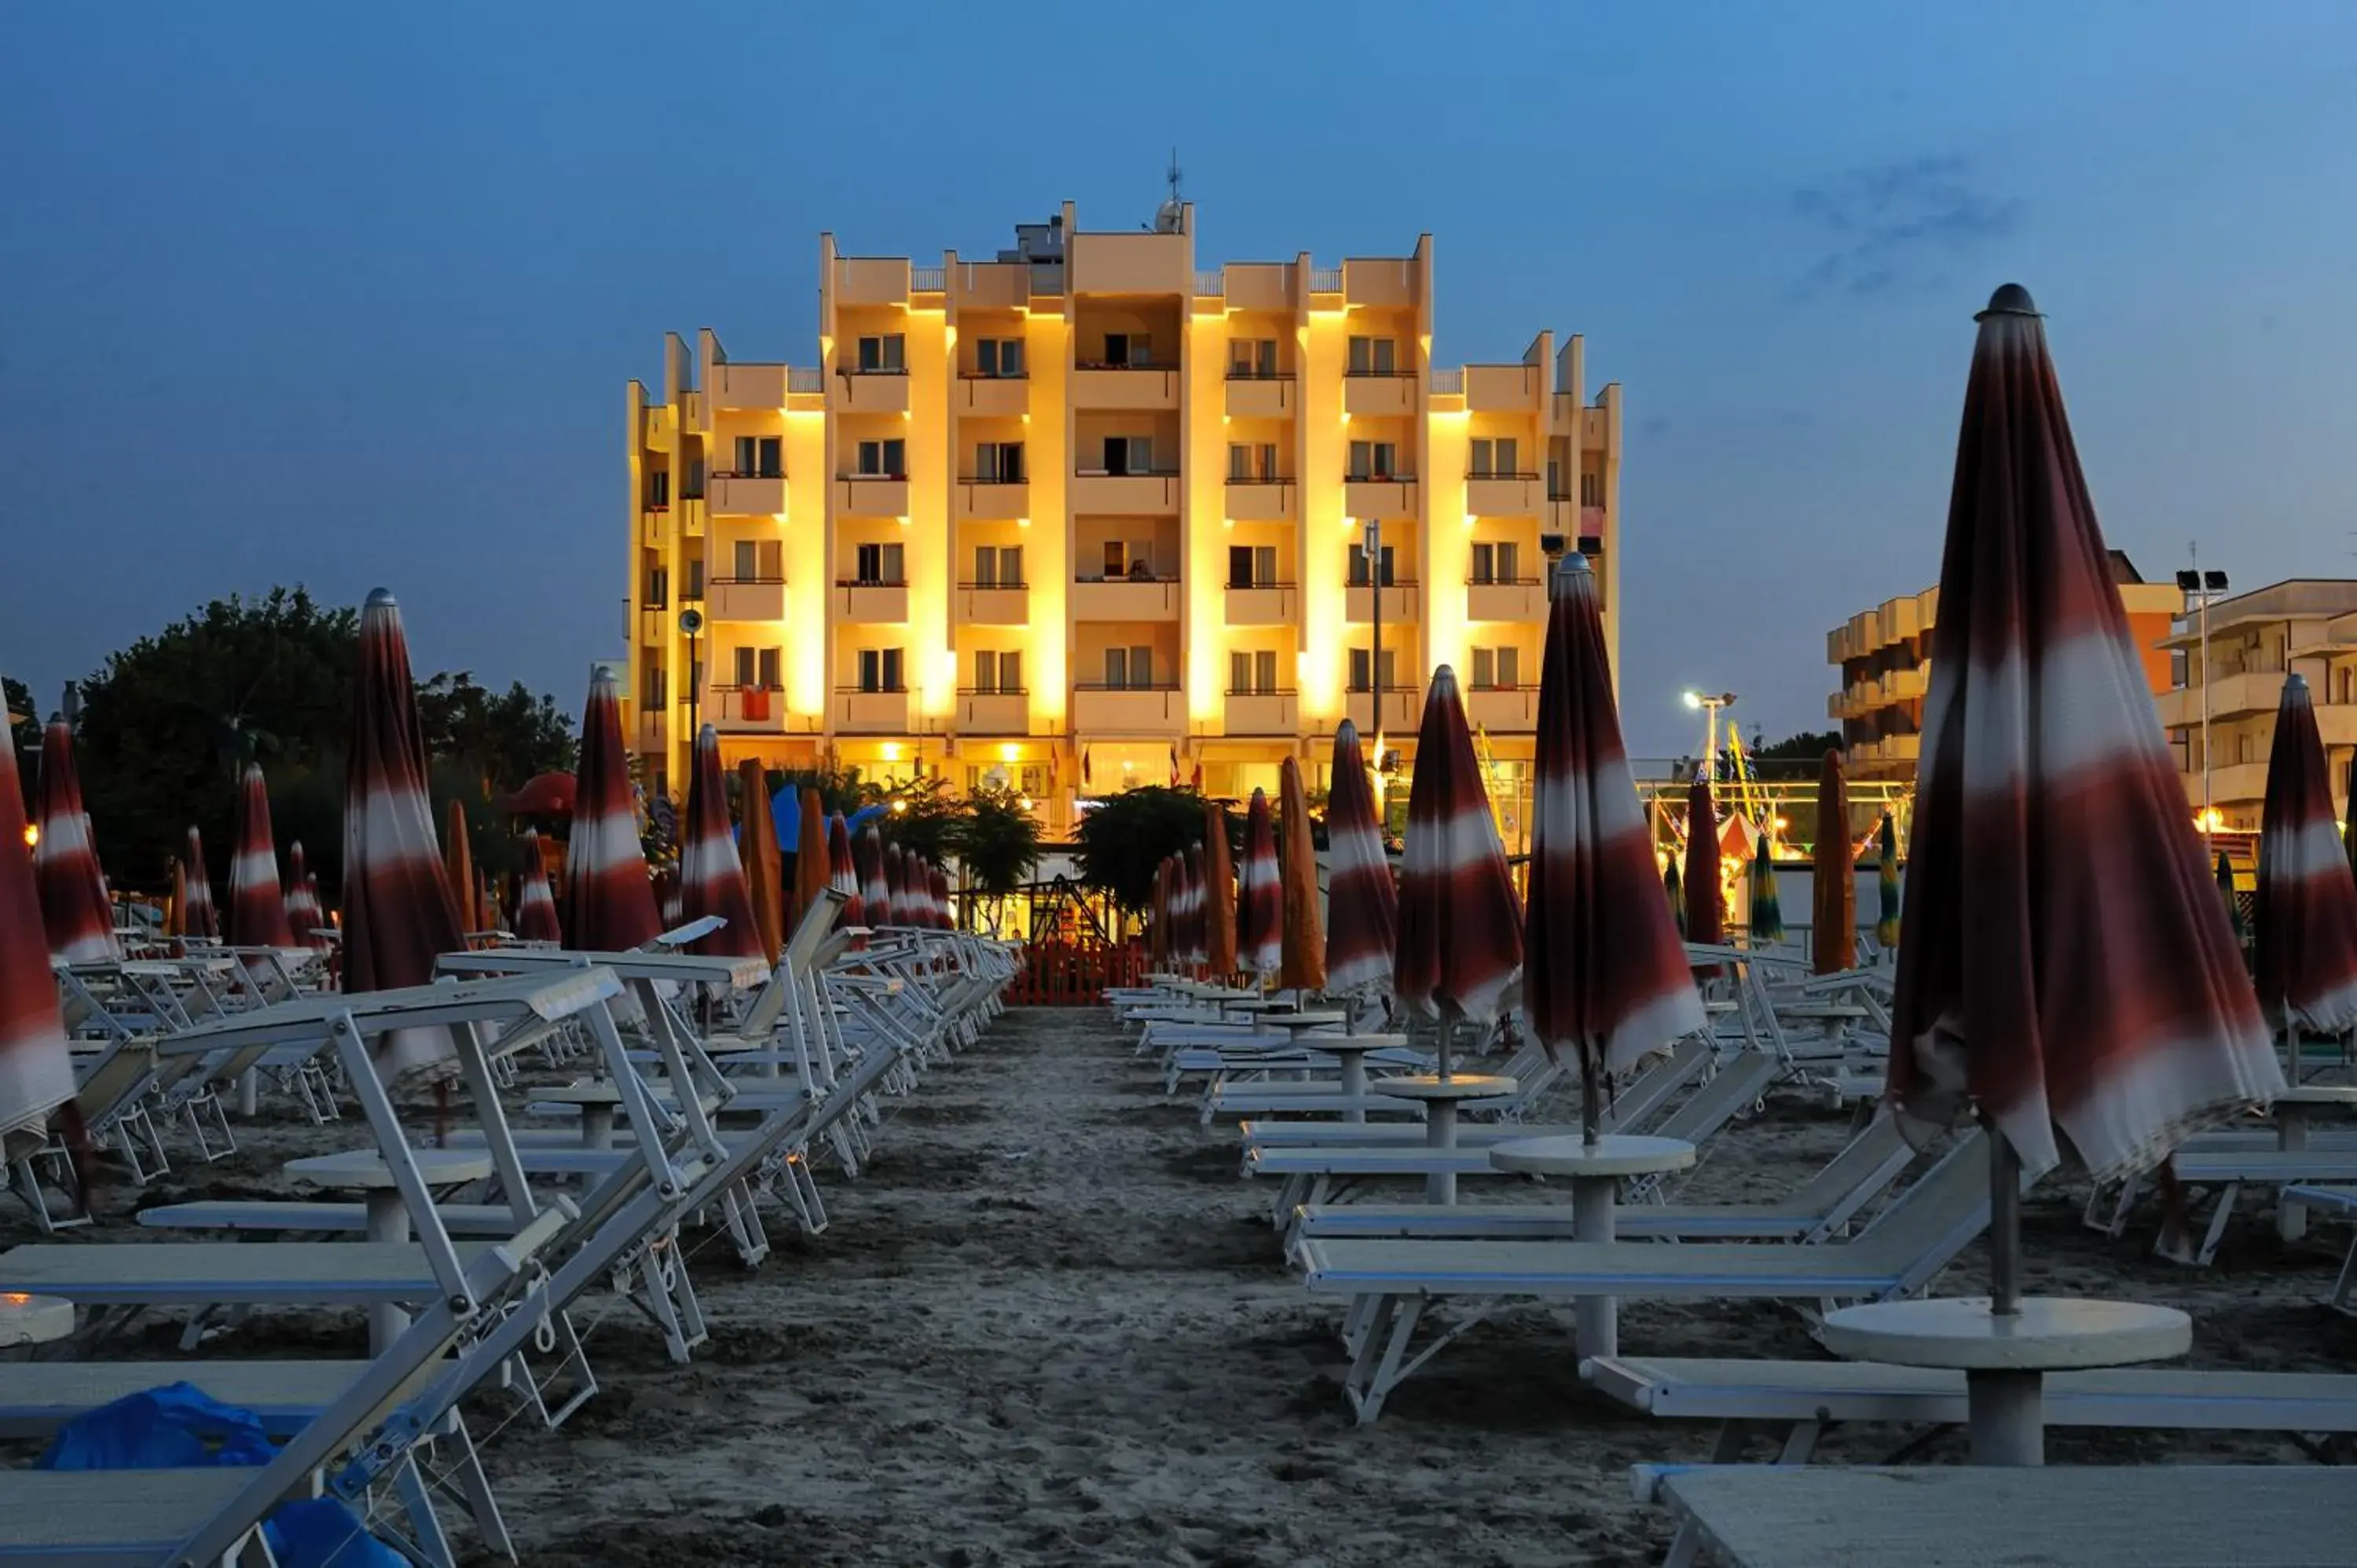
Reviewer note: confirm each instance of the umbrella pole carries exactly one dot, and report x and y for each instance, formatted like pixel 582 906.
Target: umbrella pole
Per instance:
pixel 1589 1086
pixel 2005 1225
pixel 1447 1035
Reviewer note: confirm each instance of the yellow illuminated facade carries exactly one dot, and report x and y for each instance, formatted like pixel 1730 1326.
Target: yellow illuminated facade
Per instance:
pixel 1082 516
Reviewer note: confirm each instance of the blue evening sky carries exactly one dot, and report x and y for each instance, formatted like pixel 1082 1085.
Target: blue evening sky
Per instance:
pixel 348 295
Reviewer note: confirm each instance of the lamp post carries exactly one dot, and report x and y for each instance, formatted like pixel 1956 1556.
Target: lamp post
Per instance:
pixel 1371 546
pixel 2201 587
pixel 1710 707
pixel 691 624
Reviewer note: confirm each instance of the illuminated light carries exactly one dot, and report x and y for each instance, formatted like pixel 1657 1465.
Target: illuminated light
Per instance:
pixel 1781 825
pixel 1692 700
pixel 1349 523
pixel 1022 522
pixel 32 835
pixel 1227 522
pixel 1009 753
pixel 1126 767
pixel 1469 519
pixel 2210 820
pixel 1024 801
pixel 1227 419
pixel 900 805
pixel 891 750
pixel 1027 419
pixel 1346 417
pixel 901 520
pixel 950 332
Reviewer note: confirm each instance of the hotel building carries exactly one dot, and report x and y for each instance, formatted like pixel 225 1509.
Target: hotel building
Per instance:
pixel 1083 515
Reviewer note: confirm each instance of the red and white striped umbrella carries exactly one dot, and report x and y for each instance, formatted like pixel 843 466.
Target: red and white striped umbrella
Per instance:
pixel 916 889
pixel 1461 930
pixel 711 879
pixel 2064 958
pixel 1361 900
pixel 398 912
pixel 1606 976
pixel 304 915
pixel 36 1064
pixel 257 906
pixel 943 914
pixel 896 885
pixel 75 910
pixel 1157 924
pixel 199 915
pixel 1193 952
pixel 842 872
pixel 609 900
pixel 875 892
pixel 1259 902
pixel 667 899
pixel 535 911
pixel 2305 917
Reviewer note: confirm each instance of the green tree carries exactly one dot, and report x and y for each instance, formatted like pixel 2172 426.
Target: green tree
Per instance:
pixel 1121 841
pixel 23 732
pixel 922 817
pixel 1809 746
pixel 997 844
pixel 504 737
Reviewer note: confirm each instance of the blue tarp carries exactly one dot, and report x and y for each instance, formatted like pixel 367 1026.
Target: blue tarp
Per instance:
pixel 181 1427
pixel 786 811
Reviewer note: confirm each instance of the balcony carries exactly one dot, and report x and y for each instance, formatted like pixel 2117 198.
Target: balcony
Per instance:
pixel 1907 685
pixel 858 712
pixel 2231 696
pixel 1504 495
pixel 871 392
pixel 870 280
pixel 1128 710
pixel 651 733
pixel 1261 397
pixel 871 603
pixel 1595 429
pixel 994 713
pixel 1393 496
pixel 1263 713
pixel 1126 387
pixel 1504 389
pixel 1125 495
pixel 747 495
pixel 661 427
pixel 654 625
pixel 1380 396
pixel 1403 709
pixel 1383 281
pixel 748 386
pixel 872 495
pixel 746 710
pixel 1403 602
pixel 748 598
pixel 1263 604
pixel 993 500
pixel 2243 782
pixel 1258 286
pixel 994 397
pixel 1127 599
pixel 1260 500
pixel 994 604
pixel 1001 285
pixel 651 526
pixel 1503 708
pixel 1515 598
pixel 1129 263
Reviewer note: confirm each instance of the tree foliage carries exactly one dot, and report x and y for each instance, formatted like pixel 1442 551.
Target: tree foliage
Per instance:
pixel 505 738
pixel 996 842
pixel 23 731
pixel 1123 837
pixel 1809 746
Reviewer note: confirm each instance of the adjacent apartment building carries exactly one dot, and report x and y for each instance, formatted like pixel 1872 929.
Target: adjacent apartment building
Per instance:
pixel 1884 659
pixel 1084 515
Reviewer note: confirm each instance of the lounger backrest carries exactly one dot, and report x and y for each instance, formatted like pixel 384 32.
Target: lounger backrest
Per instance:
pixel 811 931
pixel 118 1079
pixel 1646 1093
pixel 1926 1226
pixel 1738 1081
pixel 1877 1154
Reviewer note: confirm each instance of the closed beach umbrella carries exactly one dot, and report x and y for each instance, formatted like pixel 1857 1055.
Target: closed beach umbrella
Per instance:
pixel 1833 890
pixel 843 871
pixel 758 856
pixel 711 881
pixel 1361 899
pixel 304 916
pixel 76 914
pixel 811 872
pixel 1461 930
pixel 257 905
pixel 2225 875
pixel 1302 965
pixel 945 918
pixel 1158 920
pixel 1886 886
pixel 2060 965
pixel 896 884
pixel 535 911
pixel 1705 899
pixel 667 907
pixel 1767 908
pixel 2305 916
pixel 1605 977
pixel 867 854
pixel 1675 890
pixel 1259 902
pixel 459 865
pixel 1218 889
pixel 609 902
pixel 398 912
pixel 198 916
pixel 1193 953
pixel 36 1073
pixel 175 910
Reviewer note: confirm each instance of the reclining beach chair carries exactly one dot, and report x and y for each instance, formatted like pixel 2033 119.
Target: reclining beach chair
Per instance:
pixel 2224 1171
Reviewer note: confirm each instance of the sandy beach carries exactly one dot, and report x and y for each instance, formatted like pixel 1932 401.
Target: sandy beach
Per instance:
pixel 1050 1326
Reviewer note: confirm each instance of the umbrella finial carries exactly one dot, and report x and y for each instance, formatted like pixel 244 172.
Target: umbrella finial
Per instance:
pixel 383 599
pixel 1573 565
pixel 2011 299
pixel 2296 681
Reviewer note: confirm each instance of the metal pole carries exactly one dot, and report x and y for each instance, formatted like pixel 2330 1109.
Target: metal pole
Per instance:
pixel 693 681
pixel 2005 1225
pixel 2204 594
pixel 1373 546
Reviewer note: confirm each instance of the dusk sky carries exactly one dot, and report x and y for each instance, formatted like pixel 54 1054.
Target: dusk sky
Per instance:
pixel 348 296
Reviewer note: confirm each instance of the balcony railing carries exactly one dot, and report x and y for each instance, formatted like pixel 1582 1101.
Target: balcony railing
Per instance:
pixel 994 480
pixel 1234 586
pixel 1125 474
pixel 1381 375
pixel 1476 580
pixel 995 375
pixel 1211 284
pixel 871 582
pixel 1248 373
pixel 1127 686
pixel 1448 382
pixel 1325 280
pixel 1498 474
pixel 1260 478
pixel 1127 577
pixel 993 690
pixel 742 582
pixel 1361 580
pixel 879 478
pixel 900 691
pixel 805 378
pixel 1261 691
pixel 1013 587
pixel 928 280
pixel 1391 478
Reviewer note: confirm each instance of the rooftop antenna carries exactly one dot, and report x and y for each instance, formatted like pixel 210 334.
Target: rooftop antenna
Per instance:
pixel 1170 215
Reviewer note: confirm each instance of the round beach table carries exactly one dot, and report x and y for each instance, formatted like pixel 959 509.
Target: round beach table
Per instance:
pixel 1441 1096
pixel 1596 1171
pixel 2005 1359
pixel 34 1320
pixel 364 1170
pixel 2293 1108
pixel 597 1098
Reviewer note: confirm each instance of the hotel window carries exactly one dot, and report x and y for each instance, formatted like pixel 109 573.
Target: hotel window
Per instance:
pixel 998 673
pixel 692 486
pixel 883 355
pixel 1252 566
pixel 1496 563
pixel 658 589
pixel 884 459
pixel 1374 357
pixel 998 356
pixel 998 566
pixel 760 457
pixel 759 560
pixel 999 463
pixel 1495 458
pixel 1497 668
pixel 658 489
pixel 1251 462
pixel 1134 349
pixel 1252 674
pixel 1252 359
pixel 1359 567
pixel 1128 455
pixel 694 592
pixel 1374 460
pixel 1591 489
pixel 1129 668
pixel 879 669
pixel 879 565
pixel 1359 669
pixel 656 688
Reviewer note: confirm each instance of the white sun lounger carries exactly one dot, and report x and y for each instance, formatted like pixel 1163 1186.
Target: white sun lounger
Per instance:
pixel 2341 1201
pixel 1389 1285
pixel 2066 1515
pixel 2226 1171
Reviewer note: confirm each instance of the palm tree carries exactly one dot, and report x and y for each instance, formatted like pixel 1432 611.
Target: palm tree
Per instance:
pixel 997 844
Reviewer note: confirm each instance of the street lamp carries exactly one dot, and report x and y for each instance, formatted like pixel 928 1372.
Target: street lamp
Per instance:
pixel 691 625
pixel 1709 707
pixel 2201 587
pixel 1372 547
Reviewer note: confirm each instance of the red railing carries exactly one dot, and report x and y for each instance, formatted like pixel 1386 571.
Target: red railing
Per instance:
pixel 1075 974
